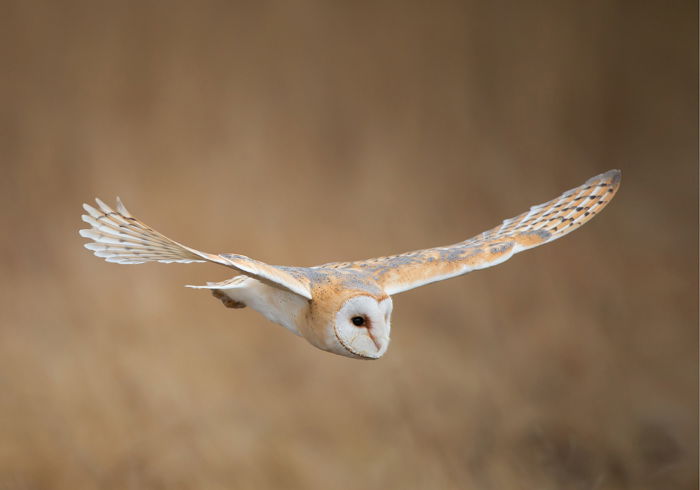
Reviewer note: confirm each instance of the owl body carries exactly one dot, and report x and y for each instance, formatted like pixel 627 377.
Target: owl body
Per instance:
pixel 345 307
pixel 315 319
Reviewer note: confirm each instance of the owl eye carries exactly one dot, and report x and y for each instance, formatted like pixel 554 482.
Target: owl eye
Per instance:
pixel 358 321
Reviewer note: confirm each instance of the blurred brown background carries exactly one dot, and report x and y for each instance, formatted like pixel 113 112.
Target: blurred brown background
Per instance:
pixel 305 132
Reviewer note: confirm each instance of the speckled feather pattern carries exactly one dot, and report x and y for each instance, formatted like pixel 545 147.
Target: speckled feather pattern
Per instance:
pixel 541 224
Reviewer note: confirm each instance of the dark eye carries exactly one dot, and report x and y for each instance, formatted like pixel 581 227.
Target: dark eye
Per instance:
pixel 358 321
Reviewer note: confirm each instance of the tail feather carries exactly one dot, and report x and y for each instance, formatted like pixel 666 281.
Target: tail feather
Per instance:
pixel 119 237
pixel 233 283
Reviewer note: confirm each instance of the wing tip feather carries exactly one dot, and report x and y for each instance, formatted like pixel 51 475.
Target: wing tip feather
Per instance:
pixel 121 208
pixel 613 176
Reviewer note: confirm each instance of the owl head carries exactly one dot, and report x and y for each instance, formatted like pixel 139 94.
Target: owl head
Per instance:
pixel 357 326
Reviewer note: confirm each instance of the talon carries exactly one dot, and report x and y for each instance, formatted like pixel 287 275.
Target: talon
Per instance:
pixel 228 302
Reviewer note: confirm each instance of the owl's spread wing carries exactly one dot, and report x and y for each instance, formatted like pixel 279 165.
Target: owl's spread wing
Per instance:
pixel 541 224
pixel 119 237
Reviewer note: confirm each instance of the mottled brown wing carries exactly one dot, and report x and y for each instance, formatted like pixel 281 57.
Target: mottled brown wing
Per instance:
pixel 541 224
pixel 119 237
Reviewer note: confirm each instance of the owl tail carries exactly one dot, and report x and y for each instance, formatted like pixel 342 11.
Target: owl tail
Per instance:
pixel 119 237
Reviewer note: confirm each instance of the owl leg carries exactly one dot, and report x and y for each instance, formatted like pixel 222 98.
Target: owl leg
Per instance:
pixel 226 300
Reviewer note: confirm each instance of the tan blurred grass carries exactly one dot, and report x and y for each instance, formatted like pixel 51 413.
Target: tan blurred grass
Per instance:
pixel 308 132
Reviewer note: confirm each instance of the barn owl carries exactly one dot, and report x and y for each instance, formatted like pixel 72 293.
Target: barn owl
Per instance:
pixel 345 307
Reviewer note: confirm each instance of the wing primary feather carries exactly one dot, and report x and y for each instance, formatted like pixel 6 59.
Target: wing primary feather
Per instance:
pixel 119 237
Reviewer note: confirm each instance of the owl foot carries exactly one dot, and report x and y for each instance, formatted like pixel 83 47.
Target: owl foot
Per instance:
pixel 226 300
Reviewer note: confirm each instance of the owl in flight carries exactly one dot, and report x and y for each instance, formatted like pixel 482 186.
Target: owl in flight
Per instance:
pixel 345 307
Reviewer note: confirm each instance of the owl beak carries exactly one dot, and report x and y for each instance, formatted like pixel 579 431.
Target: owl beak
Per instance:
pixel 379 340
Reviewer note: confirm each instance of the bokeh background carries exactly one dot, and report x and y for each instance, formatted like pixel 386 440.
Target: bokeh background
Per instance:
pixel 306 132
